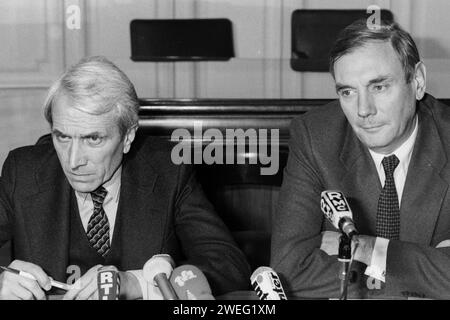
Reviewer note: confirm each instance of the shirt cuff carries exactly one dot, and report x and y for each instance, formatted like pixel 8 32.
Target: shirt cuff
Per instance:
pixel 149 291
pixel 377 267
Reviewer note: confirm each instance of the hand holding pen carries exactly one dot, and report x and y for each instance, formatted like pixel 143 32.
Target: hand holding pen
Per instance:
pixel 25 281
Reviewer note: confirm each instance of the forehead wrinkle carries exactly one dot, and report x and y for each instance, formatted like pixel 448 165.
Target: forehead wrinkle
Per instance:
pixel 78 123
pixel 88 105
pixel 374 58
pixel 357 71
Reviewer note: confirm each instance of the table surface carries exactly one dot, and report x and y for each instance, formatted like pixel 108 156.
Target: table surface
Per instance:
pixel 235 295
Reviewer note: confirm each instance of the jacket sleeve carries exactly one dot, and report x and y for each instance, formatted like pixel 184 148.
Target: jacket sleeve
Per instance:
pixel 205 239
pixel 7 180
pixel 305 270
pixel 414 270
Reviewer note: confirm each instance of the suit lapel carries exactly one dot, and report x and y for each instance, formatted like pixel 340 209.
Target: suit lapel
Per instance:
pixel 46 219
pixel 360 182
pixel 141 213
pixel 424 187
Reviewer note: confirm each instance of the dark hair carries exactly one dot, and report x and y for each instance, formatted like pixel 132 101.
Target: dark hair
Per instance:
pixel 358 34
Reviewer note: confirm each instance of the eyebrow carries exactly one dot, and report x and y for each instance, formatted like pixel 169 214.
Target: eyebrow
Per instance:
pixel 91 134
pixel 340 86
pixel 379 79
pixel 56 132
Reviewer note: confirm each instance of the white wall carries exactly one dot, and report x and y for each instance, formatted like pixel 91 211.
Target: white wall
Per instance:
pixel 37 46
pixel 31 56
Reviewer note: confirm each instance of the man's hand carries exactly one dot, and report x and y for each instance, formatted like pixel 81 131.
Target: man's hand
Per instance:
pixel 330 242
pixel 130 288
pixel 364 249
pixel 86 287
pixel 16 287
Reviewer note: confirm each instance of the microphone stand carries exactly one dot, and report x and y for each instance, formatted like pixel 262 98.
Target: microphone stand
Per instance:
pixel 344 256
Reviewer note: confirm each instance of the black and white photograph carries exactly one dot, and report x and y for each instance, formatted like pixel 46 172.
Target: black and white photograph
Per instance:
pixel 236 152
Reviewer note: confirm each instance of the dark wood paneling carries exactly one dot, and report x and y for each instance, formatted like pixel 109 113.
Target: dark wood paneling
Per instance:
pixel 161 117
pixel 243 197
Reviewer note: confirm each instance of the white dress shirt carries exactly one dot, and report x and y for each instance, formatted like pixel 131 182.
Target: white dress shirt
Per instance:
pixel 110 204
pixel 377 267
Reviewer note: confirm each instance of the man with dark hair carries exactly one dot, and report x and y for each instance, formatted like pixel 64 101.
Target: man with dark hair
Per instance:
pixel 94 194
pixel 385 144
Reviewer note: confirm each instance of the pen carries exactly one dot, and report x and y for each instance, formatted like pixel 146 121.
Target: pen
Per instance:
pixel 25 274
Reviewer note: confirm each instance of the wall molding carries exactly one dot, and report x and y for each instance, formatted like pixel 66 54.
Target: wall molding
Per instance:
pixel 46 67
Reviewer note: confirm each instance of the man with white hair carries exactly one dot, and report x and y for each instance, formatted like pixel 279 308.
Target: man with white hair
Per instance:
pixel 98 194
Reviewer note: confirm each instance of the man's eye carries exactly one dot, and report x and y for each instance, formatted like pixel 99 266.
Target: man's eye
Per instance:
pixel 94 140
pixel 379 87
pixel 345 92
pixel 62 138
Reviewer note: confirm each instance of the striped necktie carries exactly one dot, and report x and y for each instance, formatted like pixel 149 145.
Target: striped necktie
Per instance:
pixel 98 226
pixel 388 211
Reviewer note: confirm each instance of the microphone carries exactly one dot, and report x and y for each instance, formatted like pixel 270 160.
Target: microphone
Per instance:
pixel 335 207
pixel 157 271
pixel 190 283
pixel 267 284
pixel 345 258
pixel 108 283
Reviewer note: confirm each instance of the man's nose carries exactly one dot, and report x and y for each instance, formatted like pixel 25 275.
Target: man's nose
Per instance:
pixel 366 106
pixel 77 156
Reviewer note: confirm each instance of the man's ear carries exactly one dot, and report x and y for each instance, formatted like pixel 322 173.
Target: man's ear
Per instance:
pixel 420 79
pixel 128 139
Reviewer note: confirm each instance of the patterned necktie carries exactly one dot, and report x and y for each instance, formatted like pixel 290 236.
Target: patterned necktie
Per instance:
pixel 388 211
pixel 98 226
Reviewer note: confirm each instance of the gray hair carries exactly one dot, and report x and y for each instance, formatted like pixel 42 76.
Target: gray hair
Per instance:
pixel 97 81
pixel 357 35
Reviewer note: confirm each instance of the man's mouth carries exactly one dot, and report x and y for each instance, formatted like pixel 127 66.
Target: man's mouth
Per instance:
pixel 372 127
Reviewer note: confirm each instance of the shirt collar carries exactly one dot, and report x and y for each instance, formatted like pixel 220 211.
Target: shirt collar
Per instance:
pixel 403 152
pixel 112 186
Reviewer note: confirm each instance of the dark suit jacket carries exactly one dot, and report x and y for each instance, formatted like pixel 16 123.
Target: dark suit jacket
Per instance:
pixel 326 154
pixel 162 209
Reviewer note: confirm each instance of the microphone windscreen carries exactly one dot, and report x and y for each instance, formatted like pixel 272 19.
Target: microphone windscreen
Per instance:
pixel 190 283
pixel 267 284
pixel 108 283
pixel 160 263
pixel 335 207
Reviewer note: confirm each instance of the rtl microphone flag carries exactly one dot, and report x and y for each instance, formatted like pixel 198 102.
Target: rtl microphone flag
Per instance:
pixel 108 283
